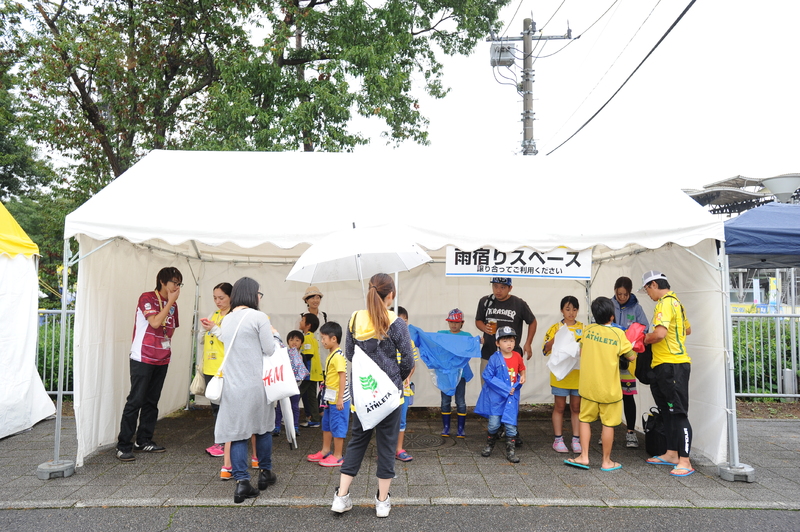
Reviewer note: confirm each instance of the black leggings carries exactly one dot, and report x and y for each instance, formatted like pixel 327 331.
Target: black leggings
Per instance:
pixel 629 405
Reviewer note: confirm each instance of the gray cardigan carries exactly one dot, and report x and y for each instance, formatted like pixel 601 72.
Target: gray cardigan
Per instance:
pixel 243 408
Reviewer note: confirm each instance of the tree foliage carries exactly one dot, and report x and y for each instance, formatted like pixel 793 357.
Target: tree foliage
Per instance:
pixel 21 167
pixel 108 80
pixel 41 214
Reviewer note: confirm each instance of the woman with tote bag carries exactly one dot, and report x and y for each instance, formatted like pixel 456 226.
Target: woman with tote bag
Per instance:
pixel 374 337
pixel 243 410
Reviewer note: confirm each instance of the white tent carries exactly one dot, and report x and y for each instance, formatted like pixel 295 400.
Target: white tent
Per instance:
pixel 220 215
pixel 23 399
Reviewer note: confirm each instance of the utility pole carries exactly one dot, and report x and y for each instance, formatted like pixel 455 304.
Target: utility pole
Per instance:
pixel 503 55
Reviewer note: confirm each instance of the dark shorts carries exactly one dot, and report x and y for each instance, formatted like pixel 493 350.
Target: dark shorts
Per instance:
pixel 672 382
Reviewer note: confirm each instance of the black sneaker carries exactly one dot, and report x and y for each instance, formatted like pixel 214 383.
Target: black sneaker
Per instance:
pixel 149 447
pixel 125 456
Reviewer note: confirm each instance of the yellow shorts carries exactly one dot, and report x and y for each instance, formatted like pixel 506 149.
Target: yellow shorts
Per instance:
pixel 610 413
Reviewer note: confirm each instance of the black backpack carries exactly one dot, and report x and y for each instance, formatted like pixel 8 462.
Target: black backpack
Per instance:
pixel 655 437
pixel 644 373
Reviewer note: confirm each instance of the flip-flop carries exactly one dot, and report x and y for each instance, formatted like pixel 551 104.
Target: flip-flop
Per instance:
pixel 657 460
pixel 617 466
pixel 686 472
pixel 573 463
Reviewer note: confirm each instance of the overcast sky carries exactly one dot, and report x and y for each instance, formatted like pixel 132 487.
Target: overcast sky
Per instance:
pixel 718 98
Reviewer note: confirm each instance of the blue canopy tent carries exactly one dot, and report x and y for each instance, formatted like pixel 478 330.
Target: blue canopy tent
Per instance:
pixel 764 237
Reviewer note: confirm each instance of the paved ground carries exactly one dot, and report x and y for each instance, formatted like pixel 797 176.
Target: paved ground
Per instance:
pixel 445 471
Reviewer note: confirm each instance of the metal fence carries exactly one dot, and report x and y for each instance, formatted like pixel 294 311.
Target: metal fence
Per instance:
pixel 47 350
pixel 765 351
pixel 766 348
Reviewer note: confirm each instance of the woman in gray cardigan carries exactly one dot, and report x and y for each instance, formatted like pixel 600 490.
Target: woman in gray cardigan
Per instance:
pixel 243 409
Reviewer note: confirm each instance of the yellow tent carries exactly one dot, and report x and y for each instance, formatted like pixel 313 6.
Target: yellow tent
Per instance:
pixel 13 239
pixel 23 399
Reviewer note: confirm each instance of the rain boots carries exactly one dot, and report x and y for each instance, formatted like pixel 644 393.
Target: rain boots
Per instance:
pixel 491 439
pixel 446 424
pixel 462 420
pixel 510 454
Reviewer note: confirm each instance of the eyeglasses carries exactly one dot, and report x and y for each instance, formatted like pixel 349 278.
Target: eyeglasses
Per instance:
pixel 260 294
pixel 176 282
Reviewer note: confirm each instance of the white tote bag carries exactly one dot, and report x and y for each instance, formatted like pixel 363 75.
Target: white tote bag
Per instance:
pixel 214 386
pixel 278 377
pixel 374 394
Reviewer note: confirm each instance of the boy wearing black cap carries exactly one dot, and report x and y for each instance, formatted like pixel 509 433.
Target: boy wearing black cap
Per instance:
pixel 499 398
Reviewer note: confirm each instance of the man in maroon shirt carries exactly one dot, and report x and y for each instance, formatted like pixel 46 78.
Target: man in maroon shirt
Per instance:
pixel 156 321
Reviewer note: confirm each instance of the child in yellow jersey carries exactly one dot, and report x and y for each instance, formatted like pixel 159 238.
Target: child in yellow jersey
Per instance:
pixel 568 386
pixel 336 419
pixel 309 324
pixel 408 397
pixel 601 348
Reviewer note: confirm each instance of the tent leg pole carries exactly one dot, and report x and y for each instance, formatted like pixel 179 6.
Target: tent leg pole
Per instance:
pixel 195 330
pixel 733 470
pixel 60 468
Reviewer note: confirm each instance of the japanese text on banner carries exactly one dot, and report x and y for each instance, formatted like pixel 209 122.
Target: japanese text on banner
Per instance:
pixel 560 263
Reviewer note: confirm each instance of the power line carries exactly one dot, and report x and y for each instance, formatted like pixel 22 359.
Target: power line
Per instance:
pixel 511 21
pixel 579 36
pixel 609 68
pixel 629 77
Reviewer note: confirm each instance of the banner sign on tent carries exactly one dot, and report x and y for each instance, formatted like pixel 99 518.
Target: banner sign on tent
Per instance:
pixel 560 263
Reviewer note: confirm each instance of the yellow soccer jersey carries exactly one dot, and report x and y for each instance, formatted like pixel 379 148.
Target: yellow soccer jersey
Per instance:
pixel 570 382
pixel 669 313
pixel 407 391
pixel 600 350
pixel 213 349
pixel 335 364
pixel 311 347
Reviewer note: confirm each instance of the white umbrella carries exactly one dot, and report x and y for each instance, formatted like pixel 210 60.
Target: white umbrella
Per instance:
pixel 288 421
pixel 359 253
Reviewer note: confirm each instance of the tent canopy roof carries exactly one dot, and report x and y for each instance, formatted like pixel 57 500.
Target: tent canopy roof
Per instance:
pixel 764 237
pixel 13 239
pixel 240 205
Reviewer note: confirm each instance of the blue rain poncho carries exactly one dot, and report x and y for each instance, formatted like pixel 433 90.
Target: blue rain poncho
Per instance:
pixel 447 356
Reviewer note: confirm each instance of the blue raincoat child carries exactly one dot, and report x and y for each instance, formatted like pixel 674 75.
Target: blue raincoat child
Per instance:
pixel 499 398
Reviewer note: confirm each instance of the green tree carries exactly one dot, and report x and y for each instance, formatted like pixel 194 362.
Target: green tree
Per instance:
pixel 21 167
pixel 41 214
pixel 107 81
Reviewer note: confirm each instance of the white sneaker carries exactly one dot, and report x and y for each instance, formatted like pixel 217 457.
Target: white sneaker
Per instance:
pixel 342 504
pixel 382 508
pixel 630 440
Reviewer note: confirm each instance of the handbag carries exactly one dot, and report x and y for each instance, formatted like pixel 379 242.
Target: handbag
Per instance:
pixel 644 373
pixel 655 437
pixel 278 377
pixel 214 386
pixel 198 385
pixel 374 394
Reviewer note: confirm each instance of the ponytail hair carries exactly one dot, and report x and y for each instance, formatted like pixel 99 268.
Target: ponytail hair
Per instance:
pixel 380 286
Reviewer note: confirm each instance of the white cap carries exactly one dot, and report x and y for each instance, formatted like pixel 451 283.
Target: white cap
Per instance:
pixel 650 276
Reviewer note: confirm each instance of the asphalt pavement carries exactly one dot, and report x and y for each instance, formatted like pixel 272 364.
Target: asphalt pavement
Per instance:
pixel 444 472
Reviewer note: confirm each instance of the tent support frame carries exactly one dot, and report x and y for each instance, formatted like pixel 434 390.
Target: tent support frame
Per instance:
pixel 57 467
pixel 733 470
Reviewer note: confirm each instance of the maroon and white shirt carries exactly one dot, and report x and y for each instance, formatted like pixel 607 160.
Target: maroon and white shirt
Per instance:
pixel 153 345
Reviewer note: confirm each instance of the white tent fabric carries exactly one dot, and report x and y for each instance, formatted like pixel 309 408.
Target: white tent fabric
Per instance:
pixel 23 399
pixel 219 216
